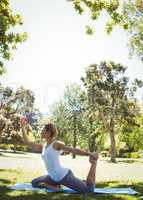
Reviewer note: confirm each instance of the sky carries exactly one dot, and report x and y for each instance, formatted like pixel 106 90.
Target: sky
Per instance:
pixel 58 50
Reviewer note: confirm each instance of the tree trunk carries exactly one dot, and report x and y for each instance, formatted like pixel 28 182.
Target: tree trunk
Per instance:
pixel 93 142
pixel 74 138
pixel 89 135
pixel 113 146
pixel 89 140
pixel 1 131
pixel 0 139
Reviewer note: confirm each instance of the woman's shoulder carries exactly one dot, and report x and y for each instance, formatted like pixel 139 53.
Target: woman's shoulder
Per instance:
pixel 59 142
pixel 58 145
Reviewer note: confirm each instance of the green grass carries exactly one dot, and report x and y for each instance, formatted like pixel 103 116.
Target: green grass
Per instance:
pixel 10 177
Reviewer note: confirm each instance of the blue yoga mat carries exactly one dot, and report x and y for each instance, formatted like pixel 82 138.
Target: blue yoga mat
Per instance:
pixel 28 186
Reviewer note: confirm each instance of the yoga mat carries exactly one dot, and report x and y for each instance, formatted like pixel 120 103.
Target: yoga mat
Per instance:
pixel 28 186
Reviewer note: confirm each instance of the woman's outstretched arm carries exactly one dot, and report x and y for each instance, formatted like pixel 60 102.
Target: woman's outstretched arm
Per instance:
pixel 32 145
pixel 61 146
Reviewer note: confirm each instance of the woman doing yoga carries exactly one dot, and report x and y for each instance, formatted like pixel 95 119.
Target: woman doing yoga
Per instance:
pixel 57 174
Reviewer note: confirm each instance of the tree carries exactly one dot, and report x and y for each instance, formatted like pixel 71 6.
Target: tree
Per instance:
pixel 128 14
pixel 62 118
pixel 87 133
pixel 133 12
pixel 133 135
pixel 109 98
pixel 72 98
pixel 97 8
pixel 8 37
pixel 12 105
pixel 67 114
pixel 2 125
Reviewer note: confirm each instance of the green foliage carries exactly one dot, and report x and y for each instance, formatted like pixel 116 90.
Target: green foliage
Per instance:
pixel 61 117
pixel 133 12
pixel 17 147
pixel 67 115
pixel 132 134
pixel 127 14
pixel 135 155
pixel 110 98
pixel 126 155
pixel 108 106
pixel 72 98
pixel 97 7
pixel 89 30
pixel 78 7
pixel 71 117
pixel 8 37
pixel 13 104
pixel 105 153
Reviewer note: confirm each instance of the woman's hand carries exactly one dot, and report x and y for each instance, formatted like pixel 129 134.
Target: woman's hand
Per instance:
pixel 25 127
pixel 94 155
pixel 23 122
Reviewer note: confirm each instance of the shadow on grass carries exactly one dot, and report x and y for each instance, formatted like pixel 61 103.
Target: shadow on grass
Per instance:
pixel 130 161
pixel 10 151
pixel 7 194
pixel 10 170
pixel 6 173
pixel 2 170
pixel 5 181
pixel 127 161
pixel 3 155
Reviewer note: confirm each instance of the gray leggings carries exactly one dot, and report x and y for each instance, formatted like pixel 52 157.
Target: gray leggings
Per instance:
pixel 69 180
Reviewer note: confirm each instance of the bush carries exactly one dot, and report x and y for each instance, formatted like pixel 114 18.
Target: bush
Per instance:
pixel 13 147
pixel 5 146
pixel 126 155
pixel 135 155
pixel 105 153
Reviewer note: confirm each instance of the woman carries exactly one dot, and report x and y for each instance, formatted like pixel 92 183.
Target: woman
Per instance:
pixel 58 175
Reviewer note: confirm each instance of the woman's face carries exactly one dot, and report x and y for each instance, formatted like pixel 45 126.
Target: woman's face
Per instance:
pixel 44 134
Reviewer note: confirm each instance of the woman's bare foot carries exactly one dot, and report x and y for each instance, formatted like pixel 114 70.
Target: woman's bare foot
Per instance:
pixel 58 187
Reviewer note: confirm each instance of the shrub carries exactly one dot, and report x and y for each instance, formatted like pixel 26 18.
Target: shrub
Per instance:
pixel 13 147
pixel 105 153
pixel 135 155
pixel 126 155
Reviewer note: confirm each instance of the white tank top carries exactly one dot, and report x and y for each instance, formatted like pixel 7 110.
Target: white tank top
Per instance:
pixel 51 160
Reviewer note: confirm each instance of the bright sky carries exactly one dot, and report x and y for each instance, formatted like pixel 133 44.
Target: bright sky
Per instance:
pixel 58 50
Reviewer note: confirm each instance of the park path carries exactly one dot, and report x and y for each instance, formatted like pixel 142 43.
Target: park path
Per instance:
pixel 106 171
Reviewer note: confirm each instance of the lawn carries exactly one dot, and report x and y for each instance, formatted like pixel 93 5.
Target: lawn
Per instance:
pixel 11 175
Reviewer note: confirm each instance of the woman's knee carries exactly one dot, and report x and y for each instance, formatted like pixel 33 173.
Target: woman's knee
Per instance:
pixel 34 182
